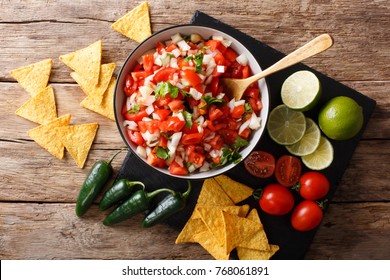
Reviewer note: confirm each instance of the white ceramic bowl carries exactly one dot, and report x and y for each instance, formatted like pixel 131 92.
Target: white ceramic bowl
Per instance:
pixel 162 36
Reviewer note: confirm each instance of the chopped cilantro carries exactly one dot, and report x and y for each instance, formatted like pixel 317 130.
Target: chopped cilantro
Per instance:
pixel 163 88
pixel 162 153
pixel 188 118
pixel 211 100
pixel 230 156
pixel 239 142
pixel 135 109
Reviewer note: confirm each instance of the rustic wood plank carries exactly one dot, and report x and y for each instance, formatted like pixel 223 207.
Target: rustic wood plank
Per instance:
pixel 52 231
pixel 353 231
pixel 48 30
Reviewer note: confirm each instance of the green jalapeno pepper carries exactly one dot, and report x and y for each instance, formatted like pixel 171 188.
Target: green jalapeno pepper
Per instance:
pixel 94 182
pixel 120 190
pixel 137 203
pixel 171 204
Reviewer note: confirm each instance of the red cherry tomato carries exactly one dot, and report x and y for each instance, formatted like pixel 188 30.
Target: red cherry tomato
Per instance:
pixel 306 216
pixel 260 164
pixel 313 185
pixel 276 200
pixel 288 170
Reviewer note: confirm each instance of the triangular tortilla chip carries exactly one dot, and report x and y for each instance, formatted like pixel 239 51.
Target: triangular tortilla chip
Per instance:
pixel 213 195
pixel 106 107
pixel 192 227
pixel 85 62
pixel 207 240
pixel 34 77
pixel 135 24
pixel 78 140
pixel 46 136
pixel 96 91
pixel 251 254
pixel 235 190
pixel 215 222
pixel 41 108
pixel 240 211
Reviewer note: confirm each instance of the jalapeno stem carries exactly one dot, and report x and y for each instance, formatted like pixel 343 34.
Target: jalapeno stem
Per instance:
pixel 114 155
pixel 156 192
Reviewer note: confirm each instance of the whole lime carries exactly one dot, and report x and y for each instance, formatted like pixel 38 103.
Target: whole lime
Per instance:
pixel 341 118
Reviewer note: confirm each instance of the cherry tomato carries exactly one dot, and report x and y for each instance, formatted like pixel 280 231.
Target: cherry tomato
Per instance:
pixel 313 185
pixel 306 216
pixel 288 170
pixel 260 164
pixel 276 200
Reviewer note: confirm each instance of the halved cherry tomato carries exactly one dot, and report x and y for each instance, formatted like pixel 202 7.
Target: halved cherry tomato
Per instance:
pixel 276 200
pixel 288 170
pixel 313 185
pixel 260 164
pixel 306 216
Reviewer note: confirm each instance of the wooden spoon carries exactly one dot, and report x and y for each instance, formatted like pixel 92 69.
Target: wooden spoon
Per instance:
pixel 235 88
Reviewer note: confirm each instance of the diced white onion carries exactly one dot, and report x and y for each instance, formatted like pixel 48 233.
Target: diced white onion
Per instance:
pixel 145 91
pixel 200 120
pixel 141 151
pixel 179 161
pixel 242 59
pixel 132 125
pixel 239 103
pixel 150 109
pixel 204 167
pixel 244 126
pixel 156 116
pixel 173 63
pixel 226 43
pixel 173 142
pixel 200 129
pixel 183 45
pixel 151 139
pixel 208 79
pixel 207 58
pixel 231 105
pixel 255 122
pixel 195 94
pixel 207 147
pixel 210 136
pixel 176 38
pixel 215 153
pixel 192 168
pixel 130 101
pixel 220 69
pixel 218 37
pixel 176 52
pixel 220 96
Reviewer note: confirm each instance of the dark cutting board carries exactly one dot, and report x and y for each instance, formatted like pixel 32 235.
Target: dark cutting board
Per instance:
pixel 293 244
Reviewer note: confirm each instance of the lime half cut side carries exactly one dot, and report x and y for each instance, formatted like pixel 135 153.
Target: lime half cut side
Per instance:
pixel 301 90
pixel 309 142
pixel 322 157
pixel 286 126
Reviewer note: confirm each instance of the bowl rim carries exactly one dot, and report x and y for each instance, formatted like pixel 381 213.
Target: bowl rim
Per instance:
pixel 190 176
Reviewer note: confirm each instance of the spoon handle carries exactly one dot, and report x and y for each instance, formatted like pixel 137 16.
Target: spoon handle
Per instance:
pixel 315 46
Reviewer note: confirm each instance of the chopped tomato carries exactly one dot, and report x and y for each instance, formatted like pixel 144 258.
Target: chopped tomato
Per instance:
pixel 245 133
pixel 154 160
pixel 148 62
pixel 256 104
pixel 176 105
pixel 192 139
pixel 162 113
pixel 130 85
pixel 177 169
pixel 230 54
pixel 134 116
pixel 191 77
pixel 172 124
pixel 164 75
pixel 196 158
pixel 135 137
pixel 238 111
pixel 215 45
pixel 140 75
pixel 214 113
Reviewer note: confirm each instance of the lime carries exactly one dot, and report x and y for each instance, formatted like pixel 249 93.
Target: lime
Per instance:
pixel 286 126
pixel 322 157
pixel 301 90
pixel 309 142
pixel 341 118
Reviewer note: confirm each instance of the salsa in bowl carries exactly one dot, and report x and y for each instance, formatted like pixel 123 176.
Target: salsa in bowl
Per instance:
pixel 171 108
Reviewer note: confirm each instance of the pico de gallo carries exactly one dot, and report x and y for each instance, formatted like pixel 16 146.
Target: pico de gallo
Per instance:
pixel 176 112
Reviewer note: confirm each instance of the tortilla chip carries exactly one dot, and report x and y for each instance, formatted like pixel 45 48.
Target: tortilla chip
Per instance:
pixel 213 195
pixel 46 136
pixel 135 24
pixel 41 108
pixel 78 140
pixel 192 227
pixel 235 190
pixel 250 254
pixel 86 62
pixel 211 244
pixel 34 77
pixel 215 222
pixel 96 91
pixel 238 230
pixel 106 107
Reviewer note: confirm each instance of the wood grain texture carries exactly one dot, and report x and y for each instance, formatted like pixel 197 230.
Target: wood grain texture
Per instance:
pixel 38 191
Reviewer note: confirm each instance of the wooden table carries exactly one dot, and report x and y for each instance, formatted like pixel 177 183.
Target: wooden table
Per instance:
pixel 38 192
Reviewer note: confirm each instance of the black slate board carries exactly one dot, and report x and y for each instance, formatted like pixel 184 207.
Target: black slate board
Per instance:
pixel 293 244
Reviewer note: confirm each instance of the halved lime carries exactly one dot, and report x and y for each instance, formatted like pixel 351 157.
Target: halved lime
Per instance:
pixel 301 90
pixel 322 157
pixel 309 142
pixel 286 126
